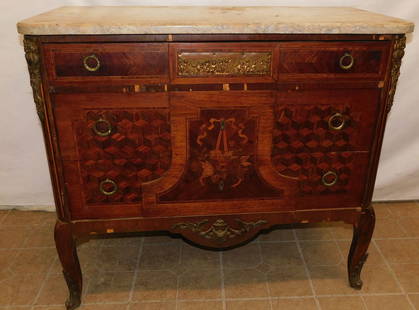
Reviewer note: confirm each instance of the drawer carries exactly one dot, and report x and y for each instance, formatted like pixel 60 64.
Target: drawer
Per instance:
pixel 326 180
pixel 324 120
pixel 222 62
pixel 333 59
pixel 97 61
pixel 111 126
pixel 105 188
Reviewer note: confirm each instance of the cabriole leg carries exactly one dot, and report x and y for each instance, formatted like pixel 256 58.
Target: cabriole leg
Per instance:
pixel 361 239
pixel 67 252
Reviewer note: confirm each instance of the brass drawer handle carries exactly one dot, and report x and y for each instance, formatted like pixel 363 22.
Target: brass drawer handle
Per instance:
pixel 329 175
pixel 342 60
pixel 336 121
pixel 99 132
pixel 104 191
pixel 87 66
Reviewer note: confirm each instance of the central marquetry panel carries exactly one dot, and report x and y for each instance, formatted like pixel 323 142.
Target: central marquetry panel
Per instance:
pixel 221 159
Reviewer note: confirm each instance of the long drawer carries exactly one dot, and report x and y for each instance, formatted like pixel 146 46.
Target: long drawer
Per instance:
pixel 102 61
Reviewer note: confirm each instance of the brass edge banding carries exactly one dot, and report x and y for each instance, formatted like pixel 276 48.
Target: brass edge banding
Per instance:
pixel 33 59
pixel 396 62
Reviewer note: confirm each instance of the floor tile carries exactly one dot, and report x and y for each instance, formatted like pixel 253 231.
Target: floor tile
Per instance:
pixel 284 233
pixel 289 281
pixel 196 258
pixel 408 275
pixel 294 304
pixel 108 287
pixel 281 254
pixel 414 298
pixel 24 218
pixel 247 256
pixel 159 239
pixel 314 232
pixel 90 260
pixel 33 260
pixel 13 236
pixel 331 280
pixel 200 284
pixel 342 303
pixel 54 291
pixel 119 258
pixel 153 306
pixel 341 231
pixel 245 283
pixel 20 289
pixel 399 251
pixel 201 305
pixel 248 304
pixel 3 214
pixel 321 252
pixel 104 307
pixel 403 209
pixel 155 256
pixel 155 285
pixel 410 225
pixel 378 279
pixel 40 236
pixel 122 242
pixel 382 210
pixel 387 302
pixel 374 257
pixel 389 228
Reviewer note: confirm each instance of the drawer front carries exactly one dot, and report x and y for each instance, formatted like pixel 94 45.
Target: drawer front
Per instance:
pixel 111 144
pixel 97 61
pixel 112 126
pixel 222 62
pixel 326 180
pixel 333 59
pixel 324 121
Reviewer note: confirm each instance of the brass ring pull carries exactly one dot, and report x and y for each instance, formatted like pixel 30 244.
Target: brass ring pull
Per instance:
pixel 106 192
pixel 102 133
pixel 87 66
pixel 336 121
pixel 349 65
pixel 327 175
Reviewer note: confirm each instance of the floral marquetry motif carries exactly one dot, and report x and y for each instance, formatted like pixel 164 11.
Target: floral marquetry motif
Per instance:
pixel 221 164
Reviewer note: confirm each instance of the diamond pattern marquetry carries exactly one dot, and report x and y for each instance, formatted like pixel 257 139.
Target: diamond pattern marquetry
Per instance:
pixel 306 129
pixel 309 168
pixel 303 146
pixel 136 150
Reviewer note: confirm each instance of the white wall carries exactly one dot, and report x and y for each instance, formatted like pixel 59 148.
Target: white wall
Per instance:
pixel 24 176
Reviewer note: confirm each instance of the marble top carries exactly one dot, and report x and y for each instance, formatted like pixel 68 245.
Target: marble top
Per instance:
pixel 204 19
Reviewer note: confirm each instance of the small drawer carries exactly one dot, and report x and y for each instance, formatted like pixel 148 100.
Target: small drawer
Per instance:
pixel 326 180
pixel 222 62
pixel 110 126
pixel 324 121
pixel 96 61
pixel 333 59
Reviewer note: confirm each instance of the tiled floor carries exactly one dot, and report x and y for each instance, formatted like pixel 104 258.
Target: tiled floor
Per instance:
pixel 291 268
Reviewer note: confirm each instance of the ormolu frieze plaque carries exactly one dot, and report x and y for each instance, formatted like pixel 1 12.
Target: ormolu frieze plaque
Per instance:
pixel 200 64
